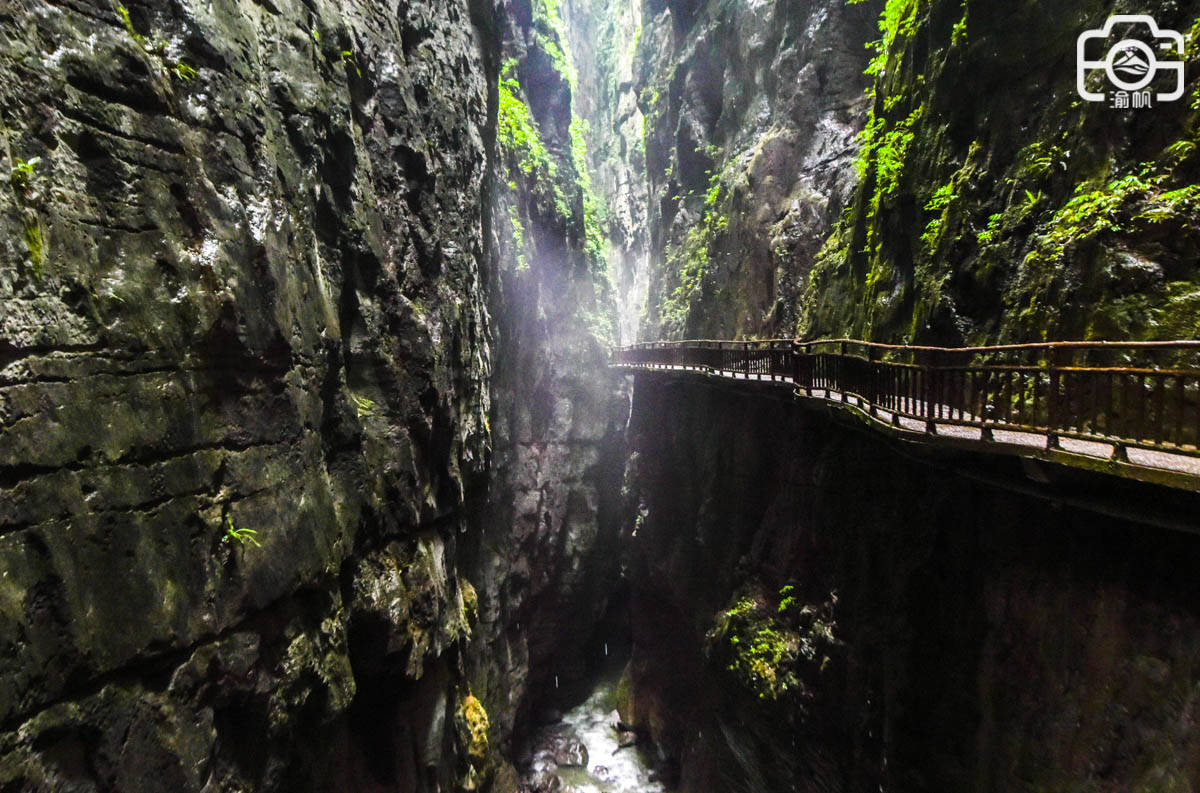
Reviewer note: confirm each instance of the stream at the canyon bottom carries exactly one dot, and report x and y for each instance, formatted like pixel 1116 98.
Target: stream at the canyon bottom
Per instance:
pixel 610 768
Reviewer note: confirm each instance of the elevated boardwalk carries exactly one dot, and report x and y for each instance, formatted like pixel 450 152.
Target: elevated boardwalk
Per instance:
pixel 1127 409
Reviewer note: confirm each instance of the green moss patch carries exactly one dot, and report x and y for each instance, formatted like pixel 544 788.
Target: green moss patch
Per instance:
pixel 773 645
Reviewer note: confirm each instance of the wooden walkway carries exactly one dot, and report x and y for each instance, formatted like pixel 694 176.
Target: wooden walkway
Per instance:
pixel 1130 409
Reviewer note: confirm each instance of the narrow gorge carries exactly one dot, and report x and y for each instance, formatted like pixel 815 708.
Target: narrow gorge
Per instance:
pixel 341 448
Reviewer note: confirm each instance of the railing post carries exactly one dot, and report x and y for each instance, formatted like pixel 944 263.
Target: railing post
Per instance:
pixel 928 362
pixel 988 409
pixel 1053 408
pixel 841 371
pixel 795 365
pixel 873 377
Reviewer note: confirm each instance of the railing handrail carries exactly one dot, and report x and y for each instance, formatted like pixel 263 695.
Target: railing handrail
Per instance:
pixel 1067 390
pixel 1181 344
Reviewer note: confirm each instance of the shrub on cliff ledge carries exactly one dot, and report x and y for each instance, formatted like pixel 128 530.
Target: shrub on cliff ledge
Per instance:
pixel 518 134
pixel 773 649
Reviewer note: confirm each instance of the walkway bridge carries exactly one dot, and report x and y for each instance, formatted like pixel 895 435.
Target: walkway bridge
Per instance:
pixel 1129 409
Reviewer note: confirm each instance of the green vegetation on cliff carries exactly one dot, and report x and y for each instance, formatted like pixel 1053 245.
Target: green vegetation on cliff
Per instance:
pixel 749 154
pixel 518 134
pixel 774 646
pixel 551 36
pixel 690 259
pixel 553 174
pixel 552 223
pixel 996 205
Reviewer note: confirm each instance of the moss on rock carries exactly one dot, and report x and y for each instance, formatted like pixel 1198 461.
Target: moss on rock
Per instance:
pixel 773 646
pixel 993 202
pixel 472 722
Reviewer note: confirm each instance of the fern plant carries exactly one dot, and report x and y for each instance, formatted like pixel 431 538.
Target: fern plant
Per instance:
pixel 241 536
pixel 23 171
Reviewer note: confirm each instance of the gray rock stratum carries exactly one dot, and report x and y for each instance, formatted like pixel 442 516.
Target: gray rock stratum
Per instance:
pixel 245 382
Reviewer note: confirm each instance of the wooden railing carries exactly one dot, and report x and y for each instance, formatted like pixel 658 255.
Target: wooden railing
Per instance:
pixel 1143 395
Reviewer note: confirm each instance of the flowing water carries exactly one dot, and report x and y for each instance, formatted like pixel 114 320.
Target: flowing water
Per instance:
pixel 627 770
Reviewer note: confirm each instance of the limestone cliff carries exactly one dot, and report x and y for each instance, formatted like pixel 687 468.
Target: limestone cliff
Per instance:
pixel 313 476
pixel 818 610
pixel 548 561
pixel 996 204
pixel 752 112
pixel 244 362
pixel 604 35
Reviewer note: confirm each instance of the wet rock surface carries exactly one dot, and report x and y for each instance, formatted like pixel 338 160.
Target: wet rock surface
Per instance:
pixel 275 389
pixel 549 558
pixel 310 462
pixel 851 617
pixel 244 345
pixel 603 35
pixel 976 218
pixel 751 115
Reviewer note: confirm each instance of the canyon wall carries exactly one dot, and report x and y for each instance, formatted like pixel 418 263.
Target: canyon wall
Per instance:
pixel 311 464
pixel 816 610
pixel 959 191
pixel 548 558
pixel 997 205
pixel 752 112
pixel 604 36
pixel 279 380
pixel 243 405
pixel 242 293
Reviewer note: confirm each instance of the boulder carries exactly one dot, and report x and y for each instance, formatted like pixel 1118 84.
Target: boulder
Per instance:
pixel 570 752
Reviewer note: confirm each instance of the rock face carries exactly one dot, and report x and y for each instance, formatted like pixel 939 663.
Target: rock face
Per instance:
pixel 553 748
pixel 751 115
pixel 548 561
pixel 604 35
pixel 812 611
pixel 984 200
pixel 815 612
pixel 310 462
pixel 996 204
pixel 250 387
